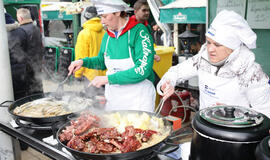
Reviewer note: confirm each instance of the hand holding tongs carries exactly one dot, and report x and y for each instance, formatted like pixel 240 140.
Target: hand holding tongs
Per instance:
pixel 163 99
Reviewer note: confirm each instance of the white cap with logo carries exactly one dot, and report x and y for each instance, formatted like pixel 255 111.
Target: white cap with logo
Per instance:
pixel 110 6
pixel 231 30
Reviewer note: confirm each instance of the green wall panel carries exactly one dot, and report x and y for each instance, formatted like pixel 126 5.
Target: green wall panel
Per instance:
pixel 167 1
pixel 22 1
pixel 55 15
pixel 183 15
pixel 262 51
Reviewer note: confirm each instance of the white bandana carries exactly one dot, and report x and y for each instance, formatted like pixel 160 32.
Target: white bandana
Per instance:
pixel 231 30
pixel 110 6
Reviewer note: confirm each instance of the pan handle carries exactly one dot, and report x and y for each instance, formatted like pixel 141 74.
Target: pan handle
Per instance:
pixel 8 101
pixel 178 134
pixel 166 148
pixel 181 131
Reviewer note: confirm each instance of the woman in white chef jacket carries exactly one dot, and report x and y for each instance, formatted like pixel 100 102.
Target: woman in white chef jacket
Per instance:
pixel 226 67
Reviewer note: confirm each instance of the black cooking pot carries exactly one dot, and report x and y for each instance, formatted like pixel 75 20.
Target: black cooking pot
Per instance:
pixel 227 133
pixel 164 147
pixel 263 149
pixel 40 120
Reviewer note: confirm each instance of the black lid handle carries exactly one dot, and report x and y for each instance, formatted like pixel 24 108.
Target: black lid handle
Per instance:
pixel 229 112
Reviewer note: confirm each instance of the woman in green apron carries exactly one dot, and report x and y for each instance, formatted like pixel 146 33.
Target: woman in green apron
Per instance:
pixel 127 52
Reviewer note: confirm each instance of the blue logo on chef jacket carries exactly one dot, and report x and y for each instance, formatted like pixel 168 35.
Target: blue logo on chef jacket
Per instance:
pixel 211 31
pixel 209 91
pixel 212 34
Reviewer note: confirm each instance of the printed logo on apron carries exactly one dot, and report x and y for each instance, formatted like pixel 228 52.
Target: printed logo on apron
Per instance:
pixel 210 91
pixel 138 96
pixel 214 89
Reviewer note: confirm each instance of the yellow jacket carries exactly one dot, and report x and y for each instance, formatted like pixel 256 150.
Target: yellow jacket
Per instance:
pixel 88 45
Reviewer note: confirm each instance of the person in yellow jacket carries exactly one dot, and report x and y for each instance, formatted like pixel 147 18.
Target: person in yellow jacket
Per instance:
pixel 88 43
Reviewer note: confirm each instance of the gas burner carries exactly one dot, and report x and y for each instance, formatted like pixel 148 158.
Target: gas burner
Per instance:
pixel 31 125
pixel 52 127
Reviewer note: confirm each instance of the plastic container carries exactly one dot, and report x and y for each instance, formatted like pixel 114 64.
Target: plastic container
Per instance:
pixel 165 62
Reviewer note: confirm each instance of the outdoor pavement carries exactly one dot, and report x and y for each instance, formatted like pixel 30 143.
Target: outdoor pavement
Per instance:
pixel 32 154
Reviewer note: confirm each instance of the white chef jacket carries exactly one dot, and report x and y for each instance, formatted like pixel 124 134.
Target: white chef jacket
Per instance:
pixel 240 81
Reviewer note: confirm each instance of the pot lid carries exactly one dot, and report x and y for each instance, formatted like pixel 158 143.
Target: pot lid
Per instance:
pixel 232 116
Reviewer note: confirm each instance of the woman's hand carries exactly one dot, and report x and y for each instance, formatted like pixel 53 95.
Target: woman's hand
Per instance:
pixel 157 58
pixel 99 81
pixel 74 66
pixel 168 89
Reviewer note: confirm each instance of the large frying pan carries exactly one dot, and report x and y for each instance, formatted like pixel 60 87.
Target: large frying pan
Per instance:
pixel 164 147
pixel 40 120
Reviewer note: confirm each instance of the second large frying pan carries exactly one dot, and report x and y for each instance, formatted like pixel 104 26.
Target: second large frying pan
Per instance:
pixel 40 120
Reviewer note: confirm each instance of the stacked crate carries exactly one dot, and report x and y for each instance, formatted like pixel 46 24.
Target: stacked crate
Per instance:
pixel 56 61
pixel 66 56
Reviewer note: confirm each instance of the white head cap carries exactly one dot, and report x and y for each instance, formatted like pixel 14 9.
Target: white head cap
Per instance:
pixel 231 30
pixel 110 6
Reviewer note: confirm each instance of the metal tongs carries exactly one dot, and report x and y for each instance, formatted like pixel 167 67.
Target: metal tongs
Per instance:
pixel 160 106
pixel 60 88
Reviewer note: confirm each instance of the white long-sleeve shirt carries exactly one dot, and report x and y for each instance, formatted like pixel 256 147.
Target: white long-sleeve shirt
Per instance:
pixel 245 82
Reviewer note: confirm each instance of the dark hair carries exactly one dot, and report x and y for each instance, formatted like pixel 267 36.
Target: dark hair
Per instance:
pixel 139 3
pixel 123 14
pixel 153 23
pixel 9 19
pixel 90 12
